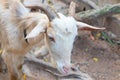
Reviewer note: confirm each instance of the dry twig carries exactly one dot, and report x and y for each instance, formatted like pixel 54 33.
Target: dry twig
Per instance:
pixel 72 9
pixel 49 68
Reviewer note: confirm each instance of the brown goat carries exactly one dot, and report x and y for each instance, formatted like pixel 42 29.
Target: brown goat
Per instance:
pixel 15 23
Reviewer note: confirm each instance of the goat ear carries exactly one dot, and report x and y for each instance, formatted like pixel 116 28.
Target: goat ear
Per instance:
pixel 51 34
pixel 36 31
pixel 17 8
pixel 84 26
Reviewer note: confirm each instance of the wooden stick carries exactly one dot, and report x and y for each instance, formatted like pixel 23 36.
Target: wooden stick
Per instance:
pixel 72 9
pixel 49 68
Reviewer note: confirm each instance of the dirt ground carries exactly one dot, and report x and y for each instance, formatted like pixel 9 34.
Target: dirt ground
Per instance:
pixel 97 58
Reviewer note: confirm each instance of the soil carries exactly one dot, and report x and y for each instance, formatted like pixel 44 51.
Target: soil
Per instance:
pixel 97 58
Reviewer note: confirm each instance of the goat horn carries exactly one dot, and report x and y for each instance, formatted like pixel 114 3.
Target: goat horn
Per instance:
pixel 51 13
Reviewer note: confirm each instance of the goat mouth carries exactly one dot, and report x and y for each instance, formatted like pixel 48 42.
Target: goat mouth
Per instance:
pixel 66 69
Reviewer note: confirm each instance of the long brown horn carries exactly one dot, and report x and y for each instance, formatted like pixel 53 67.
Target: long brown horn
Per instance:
pixel 51 13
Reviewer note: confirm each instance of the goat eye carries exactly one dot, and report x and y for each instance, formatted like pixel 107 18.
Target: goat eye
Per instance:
pixel 34 10
pixel 52 39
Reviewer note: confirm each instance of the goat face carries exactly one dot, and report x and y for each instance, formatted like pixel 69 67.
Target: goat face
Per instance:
pixel 61 41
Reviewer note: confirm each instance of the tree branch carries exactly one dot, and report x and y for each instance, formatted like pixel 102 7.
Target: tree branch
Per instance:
pixel 90 3
pixel 99 13
pixel 49 68
pixel 40 63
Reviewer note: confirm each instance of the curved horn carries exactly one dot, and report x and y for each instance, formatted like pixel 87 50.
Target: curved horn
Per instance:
pixel 51 13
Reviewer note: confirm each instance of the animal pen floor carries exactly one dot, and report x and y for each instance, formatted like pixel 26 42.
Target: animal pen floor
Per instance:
pixel 97 58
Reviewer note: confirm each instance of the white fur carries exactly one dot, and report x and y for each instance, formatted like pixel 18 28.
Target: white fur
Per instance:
pixel 66 30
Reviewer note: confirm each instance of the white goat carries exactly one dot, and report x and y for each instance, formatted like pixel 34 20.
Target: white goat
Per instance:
pixel 60 37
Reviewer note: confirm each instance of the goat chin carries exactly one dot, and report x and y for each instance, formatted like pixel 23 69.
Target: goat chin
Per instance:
pixel 64 69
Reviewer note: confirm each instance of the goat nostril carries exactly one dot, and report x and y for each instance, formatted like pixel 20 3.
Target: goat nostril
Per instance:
pixel 73 69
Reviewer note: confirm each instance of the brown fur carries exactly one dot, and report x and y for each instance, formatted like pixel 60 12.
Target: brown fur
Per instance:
pixel 14 20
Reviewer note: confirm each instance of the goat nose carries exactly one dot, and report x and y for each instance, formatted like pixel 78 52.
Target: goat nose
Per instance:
pixel 66 69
